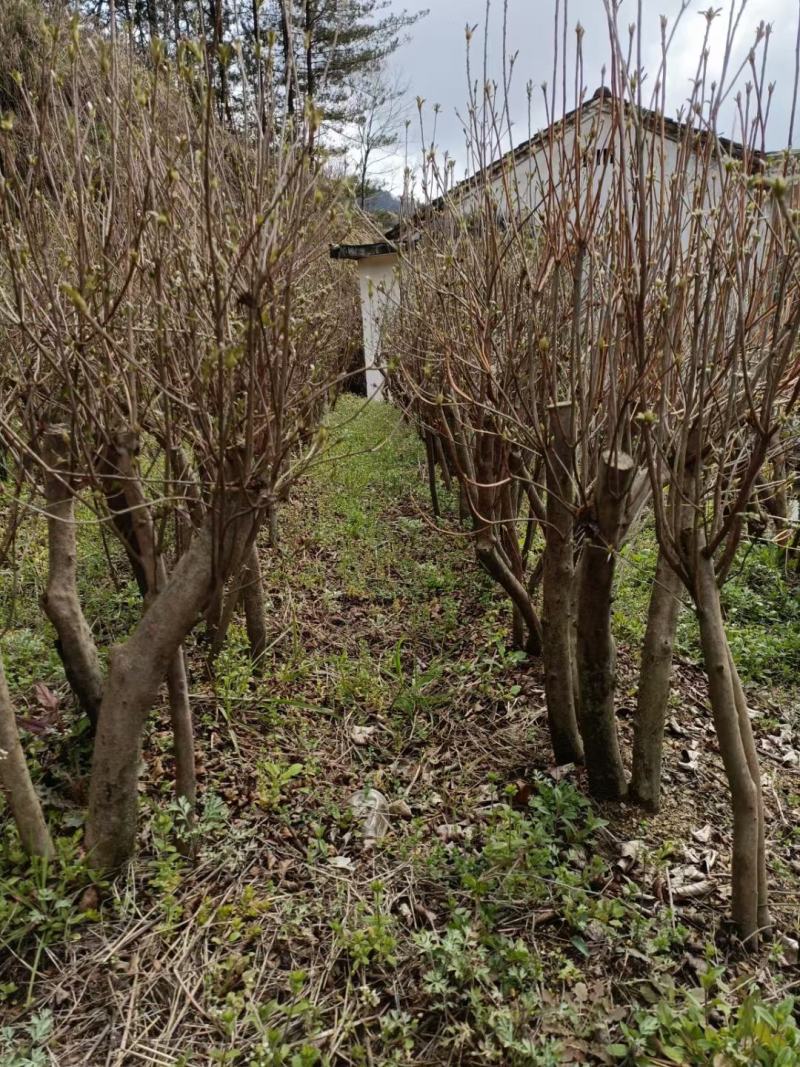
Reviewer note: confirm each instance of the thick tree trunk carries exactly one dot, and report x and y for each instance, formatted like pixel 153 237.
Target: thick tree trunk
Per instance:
pixel 230 603
pixel 310 44
pixel 288 54
pixel 596 655
pixel 748 868
pixel 491 559
pixel 444 466
pixel 253 597
pixel 272 525
pixel 654 679
pixel 464 510
pixel 16 782
pixel 596 650
pixel 258 87
pixel 518 629
pixel 137 671
pixel 134 524
pixel 558 577
pixel 222 91
pixel 213 615
pixel 245 589
pixel 180 714
pixel 11 520
pixel 60 601
pixel 430 454
pixel 152 19
pixel 751 754
pixel 779 497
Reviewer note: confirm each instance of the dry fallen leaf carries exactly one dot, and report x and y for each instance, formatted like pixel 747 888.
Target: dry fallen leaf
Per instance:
pixel 342 863
pixel 675 728
pixel 371 808
pixel 709 859
pixel 692 890
pixel 360 735
pixel 688 760
pixel 449 831
pixel 630 854
pixel 90 899
pixel 557 773
pixel 45 697
pixel 791 950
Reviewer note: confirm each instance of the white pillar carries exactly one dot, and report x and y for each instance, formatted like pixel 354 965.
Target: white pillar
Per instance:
pixel 378 290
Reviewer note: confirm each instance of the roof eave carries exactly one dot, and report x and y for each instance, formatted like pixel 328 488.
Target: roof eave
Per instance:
pixel 363 251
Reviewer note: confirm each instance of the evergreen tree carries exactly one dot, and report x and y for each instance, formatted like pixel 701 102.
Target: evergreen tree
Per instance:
pixel 322 49
pixel 331 46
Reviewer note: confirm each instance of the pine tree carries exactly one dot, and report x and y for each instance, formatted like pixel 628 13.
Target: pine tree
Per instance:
pixel 322 49
pixel 333 44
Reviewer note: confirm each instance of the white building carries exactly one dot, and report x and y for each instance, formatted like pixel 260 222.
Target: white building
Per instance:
pixel 378 288
pixel 526 175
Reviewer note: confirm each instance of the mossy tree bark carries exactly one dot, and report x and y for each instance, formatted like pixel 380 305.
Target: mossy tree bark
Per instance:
pixel 749 904
pixel 596 650
pixel 133 522
pixel 654 684
pixel 60 601
pixel 558 577
pixel 15 779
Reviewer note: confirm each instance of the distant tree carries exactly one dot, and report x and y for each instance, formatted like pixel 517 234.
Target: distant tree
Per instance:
pixel 218 22
pixel 380 109
pixel 322 51
pixel 331 48
pixel 168 19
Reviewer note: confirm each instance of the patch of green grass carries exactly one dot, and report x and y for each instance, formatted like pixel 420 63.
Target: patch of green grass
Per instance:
pixel 25 1044
pixel 710 1026
pixel 488 988
pixel 109 597
pixel 30 656
pixel 39 905
pixel 479 929
pixel 760 602
pixel 762 611
pixel 369 465
pixel 368 938
pixel 521 852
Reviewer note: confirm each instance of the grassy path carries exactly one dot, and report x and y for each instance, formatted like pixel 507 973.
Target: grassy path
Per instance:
pixel 490 921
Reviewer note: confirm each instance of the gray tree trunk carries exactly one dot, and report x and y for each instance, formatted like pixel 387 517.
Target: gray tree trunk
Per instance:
pixel 136 672
pixel 60 601
pixel 253 597
pixel 654 678
pixel 16 782
pixel 748 866
pixel 133 522
pixel 596 650
pixel 558 577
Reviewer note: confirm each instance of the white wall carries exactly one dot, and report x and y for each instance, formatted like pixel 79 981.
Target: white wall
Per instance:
pixel 379 292
pixel 536 174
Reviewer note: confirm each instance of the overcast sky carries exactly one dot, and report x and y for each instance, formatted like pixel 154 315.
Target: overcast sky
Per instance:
pixel 433 61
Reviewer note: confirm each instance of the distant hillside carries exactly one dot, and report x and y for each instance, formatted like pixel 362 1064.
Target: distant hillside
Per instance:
pixel 383 201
